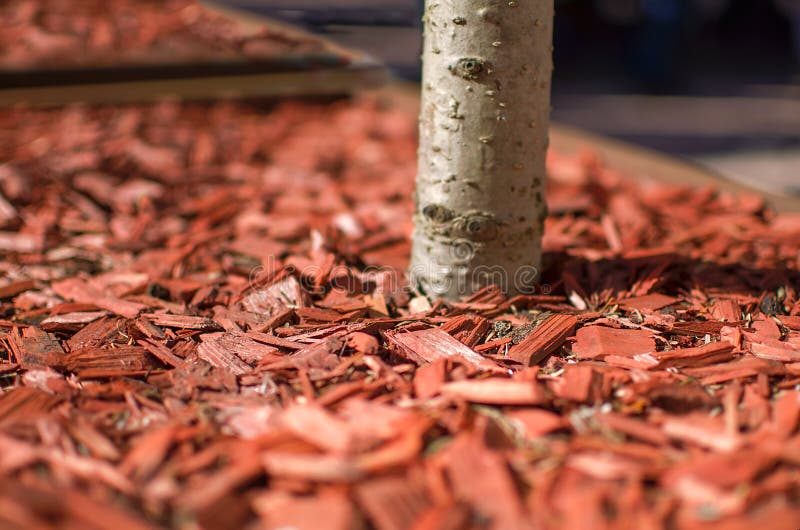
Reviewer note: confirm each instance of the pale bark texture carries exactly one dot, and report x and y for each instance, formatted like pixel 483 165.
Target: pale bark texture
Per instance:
pixel 480 204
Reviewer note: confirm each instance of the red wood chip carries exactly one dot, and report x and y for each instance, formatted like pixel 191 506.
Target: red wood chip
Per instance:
pixel 215 350
pixel 330 509
pixel 496 391
pixel 11 242
pixel 716 352
pixel 393 503
pixel 703 432
pixel 543 341
pixel 93 362
pixel 577 383
pixel 633 428
pixel 183 322
pixel 429 378
pixel 738 368
pixel 764 328
pixel 71 322
pixel 25 404
pixel 36 348
pixel 363 343
pixel 536 422
pixel 726 309
pixel 319 427
pixel 162 353
pixel 12 289
pixel 314 467
pixel 429 345
pixel 481 478
pixel 699 329
pixel 276 298
pixel 240 345
pixel 469 329
pixel 595 342
pixel 148 453
pixel 791 322
pixel 647 303
pixel 775 350
pixel 78 291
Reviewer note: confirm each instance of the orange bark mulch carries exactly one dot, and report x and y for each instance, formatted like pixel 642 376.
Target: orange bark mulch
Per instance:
pixel 205 325
pixel 81 36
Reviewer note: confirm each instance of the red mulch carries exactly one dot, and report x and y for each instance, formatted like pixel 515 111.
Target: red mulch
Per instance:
pixel 205 325
pixel 117 33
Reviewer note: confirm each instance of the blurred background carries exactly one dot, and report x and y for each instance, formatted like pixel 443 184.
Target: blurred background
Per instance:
pixel 713 81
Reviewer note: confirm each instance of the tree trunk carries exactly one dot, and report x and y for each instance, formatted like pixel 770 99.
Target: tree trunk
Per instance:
pixel 480 205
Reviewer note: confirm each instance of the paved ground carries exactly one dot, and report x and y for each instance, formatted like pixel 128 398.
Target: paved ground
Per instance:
pixel 754 140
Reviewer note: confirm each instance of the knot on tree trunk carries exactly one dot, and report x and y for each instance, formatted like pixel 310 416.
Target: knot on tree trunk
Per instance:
pixel 477 226
pixel 471 68
pixel 473 226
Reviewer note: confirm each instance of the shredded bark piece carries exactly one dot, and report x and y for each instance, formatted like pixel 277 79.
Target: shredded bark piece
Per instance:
pixel 215 350
pixel 596 342
pixel 496 391
pixel 429 345
pixel 96 362
pixel 543 341
pixel 37 348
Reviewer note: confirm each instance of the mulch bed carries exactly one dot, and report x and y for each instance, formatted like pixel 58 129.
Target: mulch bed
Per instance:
pixel 63 34
pixel 205 325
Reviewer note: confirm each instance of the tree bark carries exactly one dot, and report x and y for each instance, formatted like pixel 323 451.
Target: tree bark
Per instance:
pixel 480 204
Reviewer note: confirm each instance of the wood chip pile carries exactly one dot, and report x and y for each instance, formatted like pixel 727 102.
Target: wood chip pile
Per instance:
pixel 205 325
pixel 61 34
